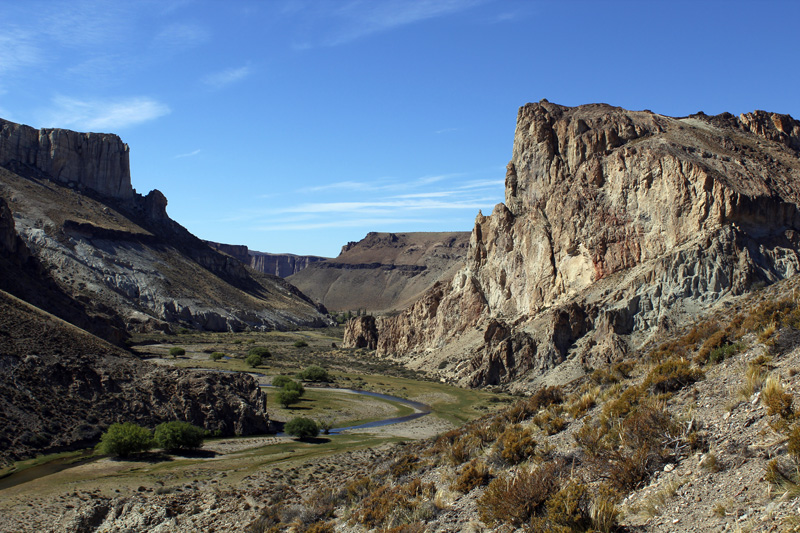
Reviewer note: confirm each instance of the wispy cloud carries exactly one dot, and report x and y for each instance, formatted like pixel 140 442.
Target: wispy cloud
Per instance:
pixel 179 37
pixel 224 78
pixel 381 206
pixel 482 184
pixel 375 224
pixel 190 154
pixel 19 51
pixel 339 22
pixel 103 115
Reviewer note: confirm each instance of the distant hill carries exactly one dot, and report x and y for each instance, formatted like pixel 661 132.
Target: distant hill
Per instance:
pixel 383 271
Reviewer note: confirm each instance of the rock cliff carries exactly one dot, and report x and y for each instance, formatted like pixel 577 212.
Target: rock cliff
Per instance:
pixel 383 271
pixel 616 225
pixel 112 259
pixel 95 161
pixel 281 265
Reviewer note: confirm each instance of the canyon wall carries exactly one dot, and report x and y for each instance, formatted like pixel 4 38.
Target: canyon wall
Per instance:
pixel 616 223
pixel 281 265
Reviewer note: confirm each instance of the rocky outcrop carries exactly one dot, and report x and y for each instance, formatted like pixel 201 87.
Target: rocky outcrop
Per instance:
pixel 281 265
pixel 107 259
pixel 361 332
pixel 616 223
pixel 384 271
pixel 60 387
pixel 96 161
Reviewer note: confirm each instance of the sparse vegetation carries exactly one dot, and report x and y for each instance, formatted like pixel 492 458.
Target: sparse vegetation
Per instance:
pixel 176 436
pixel 216 356
pixel 175 351
pixel 125 439
pixel 300 344
pixel 302 428
pixel 314 373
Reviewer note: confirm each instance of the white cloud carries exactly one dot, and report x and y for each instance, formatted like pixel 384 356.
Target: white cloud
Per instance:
pixel 219 80
pixel 345 223
pixel 190 154
pixel 382 206
pixel 103 115
pixel 483 184
pixel 177 37
pixel 19 51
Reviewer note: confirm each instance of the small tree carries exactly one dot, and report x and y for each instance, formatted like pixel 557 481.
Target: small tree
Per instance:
pixel 280 381
pixel 295 386
pixel 173 436
pixel 314 373
pixel 216 356
pixel 261 351
pixel 253 360
pixel 300 344
pixel 176 351
pixel 287 397
pixel 302 428
pixel 123 439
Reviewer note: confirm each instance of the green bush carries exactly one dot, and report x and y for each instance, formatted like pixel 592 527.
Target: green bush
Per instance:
pixel 123 439
pixel 287 397
pixel 314 373
pixel 261 351
pixel 302 428
pixel 253 360
pixel 300 344
pixel 280 381
pixel 175 351
pixel 173 436
pixel 216 356
pixel 294 386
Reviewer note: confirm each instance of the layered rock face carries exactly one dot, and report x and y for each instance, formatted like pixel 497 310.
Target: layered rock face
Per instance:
pixel 616 223
pixel 95 161
pixel 88 249
pixel 383 271
pixel 281 265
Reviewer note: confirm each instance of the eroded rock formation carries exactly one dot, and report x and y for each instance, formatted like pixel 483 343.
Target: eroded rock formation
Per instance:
pixel 615 224
pixel 112 259
pixel 281 265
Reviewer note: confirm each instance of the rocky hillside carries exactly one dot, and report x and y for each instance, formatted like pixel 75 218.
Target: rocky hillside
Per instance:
pixel 281 265
pixel 617 226
pixel 61 387
pixel 383 271
pixel 112 258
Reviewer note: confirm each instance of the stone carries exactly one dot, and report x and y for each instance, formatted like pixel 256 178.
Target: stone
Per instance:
pixel 614 222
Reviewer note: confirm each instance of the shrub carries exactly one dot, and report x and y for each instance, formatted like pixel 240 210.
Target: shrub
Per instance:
pixel 173 436
pixel 261 351
pixel 300 344
pixel 473 474
pixel 294 386
pixel 405 465
pixel 287 397
pixel 253 360
pixel 671 375
pixel 314 373
pixel 776 399
pixel 124 439
pixel 302 428
pixel 175 351
pixel 216 356
pixel 793 445
pixel 516 498
pixel 517 444
pixel 280 381
pixel 569 507
pixel 549 423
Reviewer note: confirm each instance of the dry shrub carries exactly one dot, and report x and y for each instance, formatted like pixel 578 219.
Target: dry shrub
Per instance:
pixel 570 506
pixel 405 465
pixel 357 489
pixel 320 527
pixel 604 512
pixel 516 444
pixel 716 340
pixel 793 444
pixel 416 527
pixel 457 447
pixel 776 399
pixel 581 404
pixel 473 474
pixel 769 316
pixel 549 422
pixel 544 398
pixel 515 498
pixel 395 505
pixel 671 375
pixel 625 403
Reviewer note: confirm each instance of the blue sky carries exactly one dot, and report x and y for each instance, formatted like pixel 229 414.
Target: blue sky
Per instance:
pixel 296 126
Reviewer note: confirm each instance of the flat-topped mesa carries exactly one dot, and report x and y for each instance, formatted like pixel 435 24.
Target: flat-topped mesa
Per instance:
pixel 613 221
pixel 96 161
